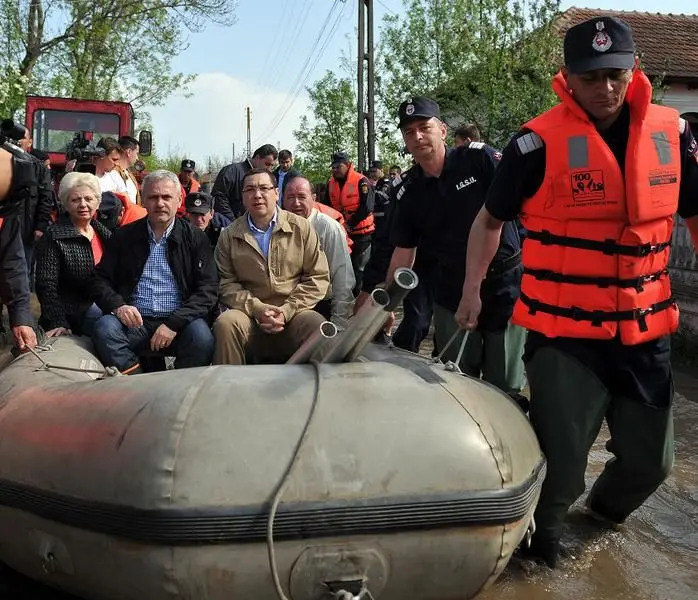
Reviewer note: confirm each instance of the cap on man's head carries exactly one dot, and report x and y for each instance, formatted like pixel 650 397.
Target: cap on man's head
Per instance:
pixel 601 43
pixel 188 165
pixel 109 210
pixel 418 107
pixel 338 158
pixel 377 164
pixel 199 203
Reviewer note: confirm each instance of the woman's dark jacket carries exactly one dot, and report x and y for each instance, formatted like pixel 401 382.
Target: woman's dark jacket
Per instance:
pixel 64 270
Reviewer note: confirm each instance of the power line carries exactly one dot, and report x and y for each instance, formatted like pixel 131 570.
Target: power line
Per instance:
pixel 387 8
pixel 303 68
pixel 284 51
pixel 308 69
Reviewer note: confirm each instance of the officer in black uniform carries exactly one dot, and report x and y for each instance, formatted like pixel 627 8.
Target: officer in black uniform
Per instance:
pixel 436 206
pixel 16 174
pixel 39 200
pixel 576 382
pixel 199 211
pixel 418 305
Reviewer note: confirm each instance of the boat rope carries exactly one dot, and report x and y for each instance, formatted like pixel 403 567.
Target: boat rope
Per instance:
pixel 451 365
pixel 106 372
pixel 282 486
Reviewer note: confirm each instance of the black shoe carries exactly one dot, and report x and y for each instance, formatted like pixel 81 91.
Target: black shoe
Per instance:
pixel 542 549
pixel 382 338
pixel 521 400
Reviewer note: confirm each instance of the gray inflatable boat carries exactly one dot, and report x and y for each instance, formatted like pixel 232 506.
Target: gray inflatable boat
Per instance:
pixel 387 477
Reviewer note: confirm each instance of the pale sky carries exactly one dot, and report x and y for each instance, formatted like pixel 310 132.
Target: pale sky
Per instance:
pixel 266 59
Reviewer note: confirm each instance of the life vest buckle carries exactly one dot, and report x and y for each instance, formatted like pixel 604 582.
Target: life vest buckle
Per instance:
pixel 544 237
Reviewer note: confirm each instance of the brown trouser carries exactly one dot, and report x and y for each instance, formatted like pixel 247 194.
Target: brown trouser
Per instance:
pixel 237 337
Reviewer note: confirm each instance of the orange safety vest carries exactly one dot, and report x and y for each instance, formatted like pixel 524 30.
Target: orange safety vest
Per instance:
pixel 597 248
pixel 337 216
pixel 132 212
pixel 346 201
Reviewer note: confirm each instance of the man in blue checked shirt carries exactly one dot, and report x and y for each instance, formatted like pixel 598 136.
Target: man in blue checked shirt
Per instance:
pixel 157 286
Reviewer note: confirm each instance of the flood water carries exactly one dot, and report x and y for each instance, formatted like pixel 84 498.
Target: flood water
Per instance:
pixel 655 557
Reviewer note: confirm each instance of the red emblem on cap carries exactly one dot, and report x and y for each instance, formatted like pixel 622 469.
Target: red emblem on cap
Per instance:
pixel 602 41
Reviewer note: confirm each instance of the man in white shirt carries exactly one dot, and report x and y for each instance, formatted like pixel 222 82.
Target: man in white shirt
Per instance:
pixel 105 167
pixel 300 199
pixel 129 157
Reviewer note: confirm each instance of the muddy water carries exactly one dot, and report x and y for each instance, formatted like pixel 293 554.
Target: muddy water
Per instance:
pixel 655 557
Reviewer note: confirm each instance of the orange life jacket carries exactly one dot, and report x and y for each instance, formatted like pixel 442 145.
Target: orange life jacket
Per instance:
pixel 597 248
pixel 346 201
pixel 337 216
pixel 132 212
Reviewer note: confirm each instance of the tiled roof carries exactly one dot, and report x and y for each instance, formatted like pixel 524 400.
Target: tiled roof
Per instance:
pixel 666 43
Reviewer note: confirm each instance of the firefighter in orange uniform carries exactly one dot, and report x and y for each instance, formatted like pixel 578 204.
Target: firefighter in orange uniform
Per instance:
pixel 596 180
pixel 189 183
pixel 352 194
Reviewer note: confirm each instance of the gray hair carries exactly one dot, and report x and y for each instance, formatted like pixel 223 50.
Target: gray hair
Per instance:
pixel 74 180
pixel 156 176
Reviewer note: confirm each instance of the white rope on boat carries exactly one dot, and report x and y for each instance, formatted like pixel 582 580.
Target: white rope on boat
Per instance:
pixel 106 372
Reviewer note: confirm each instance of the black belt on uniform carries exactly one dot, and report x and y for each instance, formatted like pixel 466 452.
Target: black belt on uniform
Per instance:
pixel 609 246
pixel 597 317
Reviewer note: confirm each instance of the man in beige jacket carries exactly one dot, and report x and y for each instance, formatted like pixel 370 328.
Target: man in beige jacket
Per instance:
pixel 272 273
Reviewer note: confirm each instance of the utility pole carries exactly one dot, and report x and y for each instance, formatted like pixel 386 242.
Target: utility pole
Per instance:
pixel 366 126
pixel 361 142
pixel 233 152
pixel 249 136
pixel 370 101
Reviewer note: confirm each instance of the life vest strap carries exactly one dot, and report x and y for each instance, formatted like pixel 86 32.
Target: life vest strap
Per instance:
pixel 597 317
pixel 609 246
pixel 603 282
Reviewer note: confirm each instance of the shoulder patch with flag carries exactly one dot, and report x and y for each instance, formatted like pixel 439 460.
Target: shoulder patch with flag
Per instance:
pixel 363 187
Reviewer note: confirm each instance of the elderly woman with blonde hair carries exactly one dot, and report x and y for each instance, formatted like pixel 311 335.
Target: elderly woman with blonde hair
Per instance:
pixel 66 258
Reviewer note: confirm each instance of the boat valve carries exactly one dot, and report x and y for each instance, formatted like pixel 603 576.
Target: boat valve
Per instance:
pixel 48 563
pixel 353 589
pixel 530 530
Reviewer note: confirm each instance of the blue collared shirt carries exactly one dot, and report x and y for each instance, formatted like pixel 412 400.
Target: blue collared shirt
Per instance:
pixel 263 237
pixel 157 294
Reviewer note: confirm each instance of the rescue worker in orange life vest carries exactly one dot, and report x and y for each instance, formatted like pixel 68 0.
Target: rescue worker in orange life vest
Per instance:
pixel 352 194
pixel 596 180
pixel 16 169
pixel 186 176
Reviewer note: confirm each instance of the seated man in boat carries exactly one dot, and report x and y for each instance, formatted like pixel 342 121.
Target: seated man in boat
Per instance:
pixel 272 273
pixel 156 285
pixel 300 200
pixel 200 213
pixel 15 174
pixel 116 210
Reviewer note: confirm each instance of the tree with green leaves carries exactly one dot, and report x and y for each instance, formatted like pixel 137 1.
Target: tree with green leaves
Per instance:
pixel 106 50
pixel 333 108
pixel 485 61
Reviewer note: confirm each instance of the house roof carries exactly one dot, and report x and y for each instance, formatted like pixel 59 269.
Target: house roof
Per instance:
pixel 666 43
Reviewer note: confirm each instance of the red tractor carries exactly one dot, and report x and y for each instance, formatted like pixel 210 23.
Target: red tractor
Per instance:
pixel 56 122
